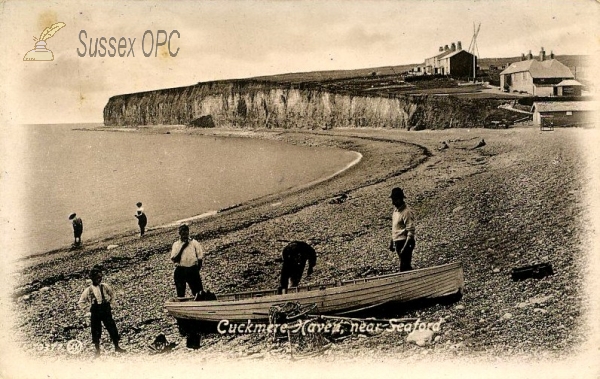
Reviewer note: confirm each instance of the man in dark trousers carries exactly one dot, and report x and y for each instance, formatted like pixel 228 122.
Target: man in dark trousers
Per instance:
pixel 77 228
pixel 295 255
pixel 403 230
pixel 187 255
pixel 98 297
pixel 142 219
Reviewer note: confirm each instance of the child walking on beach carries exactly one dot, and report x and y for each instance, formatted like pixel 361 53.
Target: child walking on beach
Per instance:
pixel 99 296
pixel 142 219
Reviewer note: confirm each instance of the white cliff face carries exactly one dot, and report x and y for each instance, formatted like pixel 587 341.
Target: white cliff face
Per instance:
pixel 267 105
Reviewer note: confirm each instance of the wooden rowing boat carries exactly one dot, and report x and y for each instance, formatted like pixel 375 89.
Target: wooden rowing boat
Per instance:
pixel 333 298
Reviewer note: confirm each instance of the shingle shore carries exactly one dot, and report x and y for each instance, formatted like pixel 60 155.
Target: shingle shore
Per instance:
pixel 516 201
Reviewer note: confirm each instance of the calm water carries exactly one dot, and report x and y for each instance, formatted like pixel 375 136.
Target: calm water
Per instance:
pixel 101 175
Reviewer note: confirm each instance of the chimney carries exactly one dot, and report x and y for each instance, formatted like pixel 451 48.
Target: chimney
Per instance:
pixel 551 54
pixel 529 56
pixel 522 56
pixel 542 55
pixel 459 45
pixel 441 48
pixel 446 48
pixel 453 46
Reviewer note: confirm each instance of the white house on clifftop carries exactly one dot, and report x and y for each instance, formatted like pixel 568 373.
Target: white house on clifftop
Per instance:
pixel 540 77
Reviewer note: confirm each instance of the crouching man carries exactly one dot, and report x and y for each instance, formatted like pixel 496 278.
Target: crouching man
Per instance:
pixel 295 255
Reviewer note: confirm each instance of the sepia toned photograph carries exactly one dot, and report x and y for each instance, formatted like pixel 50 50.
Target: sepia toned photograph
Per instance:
pixel 300 188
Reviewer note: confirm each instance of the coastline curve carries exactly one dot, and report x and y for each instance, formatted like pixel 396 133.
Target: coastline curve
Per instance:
pixel 301 187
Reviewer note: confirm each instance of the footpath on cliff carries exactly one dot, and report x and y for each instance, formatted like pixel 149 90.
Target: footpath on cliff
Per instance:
pixel 515 201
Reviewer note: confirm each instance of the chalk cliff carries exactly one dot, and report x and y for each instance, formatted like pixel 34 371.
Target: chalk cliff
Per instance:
pixel 263 104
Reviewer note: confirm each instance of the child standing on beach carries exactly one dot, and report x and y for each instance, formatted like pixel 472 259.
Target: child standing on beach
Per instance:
pixel 142 219
pixel 99 296
pixel 77 228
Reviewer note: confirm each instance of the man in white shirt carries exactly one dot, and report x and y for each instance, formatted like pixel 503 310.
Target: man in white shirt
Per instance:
pixel 187 255
pixel 403 230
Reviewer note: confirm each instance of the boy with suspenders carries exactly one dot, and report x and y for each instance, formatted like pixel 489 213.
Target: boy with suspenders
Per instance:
pixel 98 296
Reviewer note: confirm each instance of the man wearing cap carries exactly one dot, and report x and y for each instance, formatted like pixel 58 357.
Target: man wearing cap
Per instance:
pixel 187 255
pixel 403 230
pixel 77 228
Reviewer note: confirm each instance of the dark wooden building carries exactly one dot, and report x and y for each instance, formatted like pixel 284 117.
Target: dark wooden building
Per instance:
pixel 451 60
pixel 563 113
pixel 458 64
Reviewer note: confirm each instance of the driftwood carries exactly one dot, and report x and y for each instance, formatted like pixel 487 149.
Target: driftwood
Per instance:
pixel 536 271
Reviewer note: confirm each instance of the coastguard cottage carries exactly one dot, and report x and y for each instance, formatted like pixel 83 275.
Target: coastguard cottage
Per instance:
pixel 539 77
pixel 451 60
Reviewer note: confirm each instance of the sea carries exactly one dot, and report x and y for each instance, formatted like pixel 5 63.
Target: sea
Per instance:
pixel 101 175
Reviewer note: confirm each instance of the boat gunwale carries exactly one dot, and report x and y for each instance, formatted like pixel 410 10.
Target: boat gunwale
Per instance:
pixel 317 291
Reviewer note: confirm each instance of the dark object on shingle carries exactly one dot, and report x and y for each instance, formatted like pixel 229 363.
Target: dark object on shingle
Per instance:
pixel 205 296
pixel 203 122
pixel 481 143
pixel 161 345
pixel 536 271
pixel 193 341
pixel 339 199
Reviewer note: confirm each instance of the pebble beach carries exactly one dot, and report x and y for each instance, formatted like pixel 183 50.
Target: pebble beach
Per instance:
pixel 518 200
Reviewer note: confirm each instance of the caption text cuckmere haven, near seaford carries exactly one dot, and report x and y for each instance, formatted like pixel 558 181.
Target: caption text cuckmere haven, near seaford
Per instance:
pixel 328 327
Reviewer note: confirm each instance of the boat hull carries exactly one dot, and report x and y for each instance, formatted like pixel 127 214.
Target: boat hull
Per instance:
pixel 346 297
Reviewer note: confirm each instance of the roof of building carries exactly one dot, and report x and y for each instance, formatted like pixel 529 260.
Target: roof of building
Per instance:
pixel 550 68
pixel 564 106
pixel 568 82
pixel 453 53
pixel 442 54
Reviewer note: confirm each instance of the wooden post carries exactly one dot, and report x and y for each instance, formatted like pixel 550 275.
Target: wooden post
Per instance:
pixel 291 345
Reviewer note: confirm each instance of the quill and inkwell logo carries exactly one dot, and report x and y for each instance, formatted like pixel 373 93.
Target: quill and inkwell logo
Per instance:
pixel 41 53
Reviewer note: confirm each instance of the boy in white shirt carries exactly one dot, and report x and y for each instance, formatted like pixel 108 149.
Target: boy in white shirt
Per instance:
pixel 98 296
pixel 142 219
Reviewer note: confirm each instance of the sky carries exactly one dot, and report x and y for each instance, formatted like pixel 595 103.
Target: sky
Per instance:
pixel 241 39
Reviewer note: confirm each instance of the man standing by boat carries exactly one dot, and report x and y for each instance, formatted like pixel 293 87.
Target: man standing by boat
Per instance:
pixel 187 254
pixel 403 230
